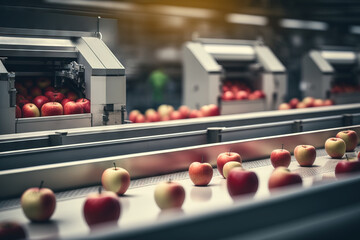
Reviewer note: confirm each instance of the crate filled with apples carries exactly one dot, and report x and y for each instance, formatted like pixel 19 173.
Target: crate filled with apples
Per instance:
pixel 238 97
pixel 36 98
pixel 307 102
pixel 167 112
pixel 237 90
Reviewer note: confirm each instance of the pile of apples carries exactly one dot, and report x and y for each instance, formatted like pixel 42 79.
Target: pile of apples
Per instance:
pixel 167 112
pixel 37 98
pixel 307 102
pixel 345 88
pixel 239 91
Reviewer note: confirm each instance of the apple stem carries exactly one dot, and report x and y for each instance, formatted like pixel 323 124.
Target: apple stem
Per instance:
pixel 229 152
pixel 282 146
pixel 169 181
pixel 114 165
pixel 100 189
pixel 41 184
pixel 347 158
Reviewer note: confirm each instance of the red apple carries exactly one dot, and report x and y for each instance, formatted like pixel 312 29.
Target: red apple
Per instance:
pixel 230 165
pixel 35 91
pixel 140 118
pixel 301 105
pixel 101 207
pixel 28 83
pixel 21 89
pixel 64 90
pixel 350 138
pixel 284 106
pixel 175 115
pixel 165 118
pixel 294 102
pixel 133 114
pixel 49 88
pixel 241 95
pixel 328 102
pixel 73 108
pixel 40 100
pixel 55 96
pixel 205 110
pixel 213 110
pixel 165 110
pixel 72 96
pixel 280 157
pixel 347 166
pixel 18 113
pixel 52 109
pixel 305 155
pixel 308 101
pixel 184 110
pixel 259 94
pixel 21 100
pixel 228 96
pixel 282 177
pixel 12 231
pixel 85 104
pixel 195 114
pixel 148 112
pixel 30 110
pixel 240 182
pixel 153 117
pixel 200 173
pixel 227 157
pixel 169 195
pixel 38 204
pixel 65 101
pixel 116 180
pixel 43 82
pixel 318 103
pixel 335 147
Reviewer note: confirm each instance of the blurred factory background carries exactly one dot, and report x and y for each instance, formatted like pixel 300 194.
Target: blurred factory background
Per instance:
pixel 147 36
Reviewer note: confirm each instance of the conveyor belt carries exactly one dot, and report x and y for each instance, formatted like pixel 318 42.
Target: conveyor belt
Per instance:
pixel 140 210
pixel 91 150
pixel 107 133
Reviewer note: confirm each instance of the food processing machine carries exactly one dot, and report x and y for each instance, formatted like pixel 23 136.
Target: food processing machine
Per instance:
pixel 77 59
pixel 208 63
pixel 332 72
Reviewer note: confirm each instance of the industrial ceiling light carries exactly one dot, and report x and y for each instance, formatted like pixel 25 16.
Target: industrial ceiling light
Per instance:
pixel 246 19
pixel 302 24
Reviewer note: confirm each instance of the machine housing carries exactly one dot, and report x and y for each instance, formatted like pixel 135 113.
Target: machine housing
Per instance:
pixel 79 58
pixel 209 62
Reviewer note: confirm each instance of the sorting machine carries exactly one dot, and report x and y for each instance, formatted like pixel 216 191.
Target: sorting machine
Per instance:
pixel 302 212
pixel 332 72
pixel 208 63
pixel 77 59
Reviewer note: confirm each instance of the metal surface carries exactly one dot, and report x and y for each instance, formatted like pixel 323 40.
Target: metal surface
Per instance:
pixel 88 172
pixel 203 206
pixel 242 106
pixel 104 75
pixel 209 62
pixel 53 122
pixel 104 133
pixel 73 152
pixel 324 69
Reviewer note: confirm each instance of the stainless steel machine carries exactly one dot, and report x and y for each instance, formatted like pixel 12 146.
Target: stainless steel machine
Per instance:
pixel 207 63
pixel 79 59
pixel 332 72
